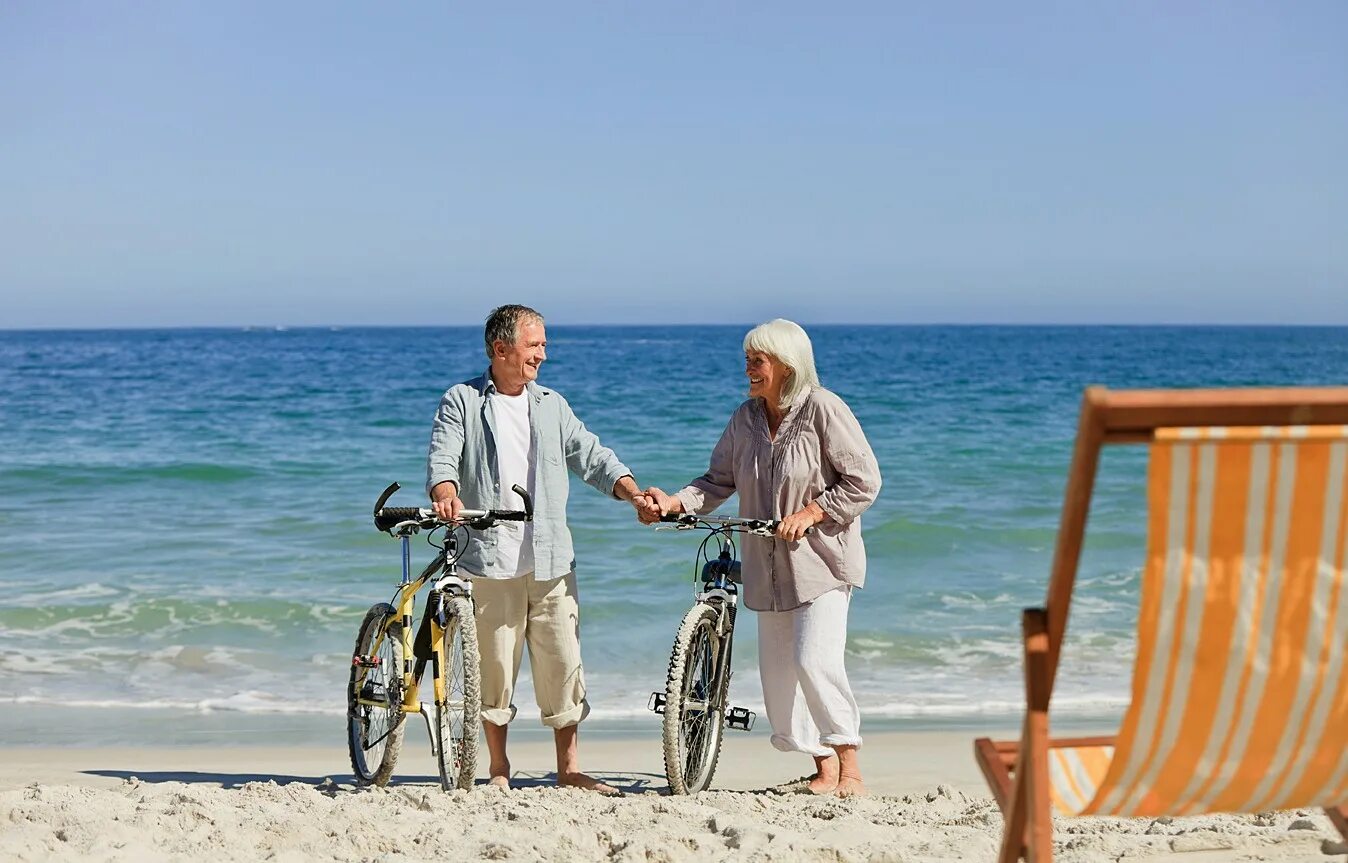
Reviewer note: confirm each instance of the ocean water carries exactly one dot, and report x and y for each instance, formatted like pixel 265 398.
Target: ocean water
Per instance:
pixel 185 531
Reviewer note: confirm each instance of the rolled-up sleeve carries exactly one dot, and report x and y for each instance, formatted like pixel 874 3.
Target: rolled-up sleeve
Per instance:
pixel 849 453
pixel 586 457
pixel 714 487
pixel 446 450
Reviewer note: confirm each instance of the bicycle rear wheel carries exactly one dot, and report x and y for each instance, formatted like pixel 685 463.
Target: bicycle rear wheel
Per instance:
pixel 374 714
pixel 694 702
pixel 459 718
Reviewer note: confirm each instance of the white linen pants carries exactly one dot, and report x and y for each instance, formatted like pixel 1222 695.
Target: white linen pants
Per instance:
pixel 805 690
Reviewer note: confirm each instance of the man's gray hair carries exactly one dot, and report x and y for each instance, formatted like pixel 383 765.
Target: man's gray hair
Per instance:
pixel 503 324
pixel 789 343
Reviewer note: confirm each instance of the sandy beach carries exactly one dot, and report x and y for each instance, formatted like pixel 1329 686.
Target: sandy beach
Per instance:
pixel 298 803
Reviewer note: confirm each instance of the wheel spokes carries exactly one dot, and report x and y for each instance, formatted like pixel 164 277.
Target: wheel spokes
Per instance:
pixel 377 702
pixel 455 696
pixel 698 714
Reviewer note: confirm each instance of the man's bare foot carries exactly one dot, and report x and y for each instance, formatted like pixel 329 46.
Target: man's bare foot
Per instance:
pixel 851 786
pixel 586 783
pixel 500 776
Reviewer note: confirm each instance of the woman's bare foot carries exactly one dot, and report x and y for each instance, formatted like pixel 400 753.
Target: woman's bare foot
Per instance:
pixel 850 786
pixel 825 779
pixel 795 786
pixel 586 783
pixel 500 776
pixel 849 774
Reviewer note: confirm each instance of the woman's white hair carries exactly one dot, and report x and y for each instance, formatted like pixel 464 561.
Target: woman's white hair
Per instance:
pixel 789 343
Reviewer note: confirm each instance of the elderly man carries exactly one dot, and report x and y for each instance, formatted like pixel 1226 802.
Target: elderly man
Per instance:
pixel 491 433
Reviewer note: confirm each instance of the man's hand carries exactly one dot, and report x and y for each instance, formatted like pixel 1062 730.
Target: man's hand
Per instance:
pixel 628 490
pixel 445 501
pixel 648 511
pixel 793 527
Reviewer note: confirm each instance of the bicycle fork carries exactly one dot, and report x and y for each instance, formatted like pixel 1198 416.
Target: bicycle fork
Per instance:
pixel 738 718
pixel 431 643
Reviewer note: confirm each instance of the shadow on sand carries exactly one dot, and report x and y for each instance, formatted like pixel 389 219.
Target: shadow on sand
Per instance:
pixel 629 783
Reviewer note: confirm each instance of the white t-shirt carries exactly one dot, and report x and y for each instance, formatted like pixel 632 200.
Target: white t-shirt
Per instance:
pixel 514 466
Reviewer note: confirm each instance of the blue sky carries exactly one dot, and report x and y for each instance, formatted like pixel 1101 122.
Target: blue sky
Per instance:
pixel 238 163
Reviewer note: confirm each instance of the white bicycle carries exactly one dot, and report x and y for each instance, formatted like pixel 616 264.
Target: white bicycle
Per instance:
pixel 694 702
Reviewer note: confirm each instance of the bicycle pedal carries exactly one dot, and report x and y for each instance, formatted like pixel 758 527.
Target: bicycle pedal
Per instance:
pixel 366 661
pixel 374 691
pixel 657 702
pixel 740 719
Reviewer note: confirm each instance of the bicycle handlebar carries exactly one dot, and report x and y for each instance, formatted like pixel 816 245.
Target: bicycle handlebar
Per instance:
pixel 386 518
pixel 752 525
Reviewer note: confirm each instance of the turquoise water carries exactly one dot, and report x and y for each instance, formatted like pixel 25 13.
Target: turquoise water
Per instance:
pixel 184 514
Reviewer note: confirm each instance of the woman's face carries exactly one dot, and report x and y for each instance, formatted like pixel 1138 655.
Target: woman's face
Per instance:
pixel 766 376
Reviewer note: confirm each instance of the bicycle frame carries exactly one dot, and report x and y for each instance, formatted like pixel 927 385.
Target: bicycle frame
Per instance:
pixel 449 583
pixel 721 591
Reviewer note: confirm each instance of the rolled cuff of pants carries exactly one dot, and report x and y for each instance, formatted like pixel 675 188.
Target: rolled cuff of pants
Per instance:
pixel 499 715
pixel 571 716
pixel 783 743
pixel 841 740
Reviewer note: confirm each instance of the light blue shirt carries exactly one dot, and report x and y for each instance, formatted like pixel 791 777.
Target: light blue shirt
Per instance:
pixel 463 451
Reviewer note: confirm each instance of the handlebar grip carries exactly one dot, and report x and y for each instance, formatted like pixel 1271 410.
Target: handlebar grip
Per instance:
pixel 391 515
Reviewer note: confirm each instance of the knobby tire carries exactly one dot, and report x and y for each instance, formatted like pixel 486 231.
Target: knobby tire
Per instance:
pixel 692 739
pixel 459 720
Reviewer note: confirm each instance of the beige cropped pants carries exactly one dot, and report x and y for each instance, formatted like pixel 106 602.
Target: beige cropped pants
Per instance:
pixel 546 615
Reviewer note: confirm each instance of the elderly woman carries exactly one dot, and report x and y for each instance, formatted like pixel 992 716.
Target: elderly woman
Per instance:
pixel 794 451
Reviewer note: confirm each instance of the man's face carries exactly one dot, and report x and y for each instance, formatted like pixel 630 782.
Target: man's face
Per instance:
pixel 519 362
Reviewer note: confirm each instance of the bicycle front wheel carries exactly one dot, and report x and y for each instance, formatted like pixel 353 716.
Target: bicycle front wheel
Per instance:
pixel 374 715
pixel 459 717
pixel 694 702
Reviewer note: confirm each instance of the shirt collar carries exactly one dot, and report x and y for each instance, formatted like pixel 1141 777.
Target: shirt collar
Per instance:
pixel 489 386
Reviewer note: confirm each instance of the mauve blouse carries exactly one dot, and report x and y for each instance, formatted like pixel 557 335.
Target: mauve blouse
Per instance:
pixel 820 454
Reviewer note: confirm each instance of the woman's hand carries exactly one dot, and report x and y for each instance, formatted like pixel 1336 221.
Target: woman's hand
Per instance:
pixel 793 527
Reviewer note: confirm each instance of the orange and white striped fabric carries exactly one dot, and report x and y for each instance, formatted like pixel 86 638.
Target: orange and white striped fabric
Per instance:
pixel 1240 687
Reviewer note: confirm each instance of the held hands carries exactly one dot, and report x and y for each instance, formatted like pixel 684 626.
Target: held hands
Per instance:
pixel 648 511
pixel 793 527
pixel 445 501
pixel 659 504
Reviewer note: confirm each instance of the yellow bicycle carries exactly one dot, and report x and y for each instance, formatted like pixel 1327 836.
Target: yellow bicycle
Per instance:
pixel 387 664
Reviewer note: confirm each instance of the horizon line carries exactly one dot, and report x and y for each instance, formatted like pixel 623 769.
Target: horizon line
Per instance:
pixel 868 324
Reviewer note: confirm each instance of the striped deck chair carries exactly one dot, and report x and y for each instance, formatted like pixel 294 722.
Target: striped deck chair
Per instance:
pixel 1240 685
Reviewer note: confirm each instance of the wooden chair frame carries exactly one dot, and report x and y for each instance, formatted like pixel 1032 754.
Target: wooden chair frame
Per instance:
pixel 1107 418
